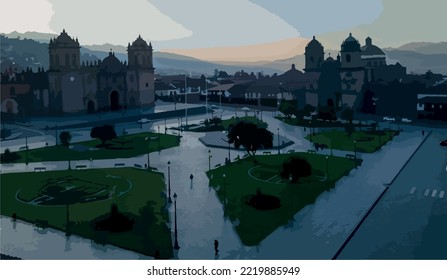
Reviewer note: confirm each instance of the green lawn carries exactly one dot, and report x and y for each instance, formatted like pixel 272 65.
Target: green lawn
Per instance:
pixel 226 123
pixel 139 194
pixel 243 178
pixel 366 141
pixel 121 147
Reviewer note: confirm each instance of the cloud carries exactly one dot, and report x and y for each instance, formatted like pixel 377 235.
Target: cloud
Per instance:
pixel 20 15
pixel 224 23
pixel 319 16
pixel 115 22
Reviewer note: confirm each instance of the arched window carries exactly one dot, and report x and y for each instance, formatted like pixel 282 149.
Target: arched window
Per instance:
pixel 348 58
pixel 73 60
pixel 67 60
pixel 144 60
pixel 57 60
pixel 312 59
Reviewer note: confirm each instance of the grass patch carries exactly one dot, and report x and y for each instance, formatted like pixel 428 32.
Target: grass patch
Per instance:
pixel 225 124
pixel 139 194
pixel 367 141
pixel 244 178
pixel 121 147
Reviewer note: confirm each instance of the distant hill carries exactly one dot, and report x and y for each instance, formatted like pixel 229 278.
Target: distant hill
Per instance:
pixel 36 36
pixel 31 50
pixel 424 47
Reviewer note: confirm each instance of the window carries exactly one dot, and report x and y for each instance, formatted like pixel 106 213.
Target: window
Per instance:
pixel 312 59
pixel 73 58
pixel 67 60
pixel 348 58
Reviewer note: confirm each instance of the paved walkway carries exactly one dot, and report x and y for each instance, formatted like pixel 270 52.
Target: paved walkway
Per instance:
pixel 315 233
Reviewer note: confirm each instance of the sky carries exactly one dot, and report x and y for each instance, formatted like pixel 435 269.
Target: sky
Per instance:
pixel 190 24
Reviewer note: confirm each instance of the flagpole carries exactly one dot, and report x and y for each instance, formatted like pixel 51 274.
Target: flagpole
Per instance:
pixel 186 106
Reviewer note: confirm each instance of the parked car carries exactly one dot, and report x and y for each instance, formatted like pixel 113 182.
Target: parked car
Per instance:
pixel 443 143
pixel 405 120
pixel 389 119
pixel 143 120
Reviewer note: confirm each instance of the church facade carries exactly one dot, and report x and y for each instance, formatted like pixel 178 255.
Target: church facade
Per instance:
pixel 75 87
pixel 345 76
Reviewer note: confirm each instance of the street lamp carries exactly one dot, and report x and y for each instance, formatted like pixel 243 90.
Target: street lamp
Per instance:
pixel 229 156
pixel 56 135
pixel 355 153
pixel 26 147
pixel 169 182
pixel 310 130
pixel 327 167
pixel 148 138
pixel 209 160
pixel 278 142
pixel 176 247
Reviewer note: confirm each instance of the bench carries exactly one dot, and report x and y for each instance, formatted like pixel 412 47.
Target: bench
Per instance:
pixel 119 164
pixel 311 151
pixel 217 165
pixel 267 153
pixel 291 151
pixel 23 148
pixel 80 167
pixel 138 165
pixel 40 169
pixel 350 156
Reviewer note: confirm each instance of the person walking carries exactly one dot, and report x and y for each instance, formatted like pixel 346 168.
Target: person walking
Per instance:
pixel 216 247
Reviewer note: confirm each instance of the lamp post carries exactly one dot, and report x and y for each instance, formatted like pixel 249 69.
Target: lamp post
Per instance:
pixel 26 147
pixel 331 146
pixel 310 130
pixel 355 153
pixel 229 156
pixel 278 142
pixel 165 126
pixel 209 160
pixel 158 129
pixel 327 167
pixel 56 134
pixel 224 196
pixel 176 247
pixel 169 182
pixel 148 149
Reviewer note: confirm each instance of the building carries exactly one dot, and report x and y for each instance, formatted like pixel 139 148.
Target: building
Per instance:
pixel 71 87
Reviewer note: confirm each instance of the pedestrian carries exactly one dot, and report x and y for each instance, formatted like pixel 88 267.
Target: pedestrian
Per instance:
pixel 216 247
pixel 422 133
pixel 191 177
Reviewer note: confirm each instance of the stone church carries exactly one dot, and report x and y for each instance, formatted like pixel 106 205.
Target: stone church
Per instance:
pixel 70 86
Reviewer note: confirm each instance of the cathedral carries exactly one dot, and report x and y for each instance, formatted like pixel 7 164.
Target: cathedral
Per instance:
pixel 354 66
pixel 71 87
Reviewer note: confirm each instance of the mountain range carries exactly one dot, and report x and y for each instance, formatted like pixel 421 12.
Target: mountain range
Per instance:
pixel 418 57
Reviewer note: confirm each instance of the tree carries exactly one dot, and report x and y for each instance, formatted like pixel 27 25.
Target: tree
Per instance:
pixel 104 133
pixel 216 121
pixel 65 138
pixel 9 156
pixel 250 136
pixel 348 115
pixel 295 168
pixel 287 108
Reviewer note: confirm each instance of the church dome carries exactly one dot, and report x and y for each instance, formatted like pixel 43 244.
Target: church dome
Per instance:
pixel 64 40
pixel 111 64
pixel 371 50
pixel 350 44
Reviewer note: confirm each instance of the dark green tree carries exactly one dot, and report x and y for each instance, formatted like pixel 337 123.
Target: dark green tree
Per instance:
pixel 250 136
pixel 104 133
pixel 65 138
pixel 295 168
